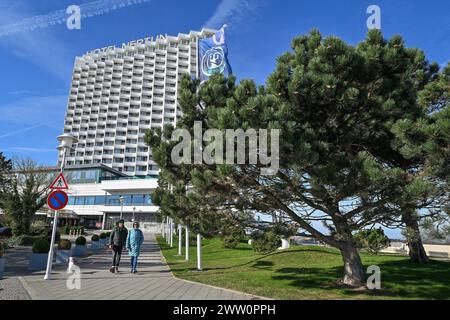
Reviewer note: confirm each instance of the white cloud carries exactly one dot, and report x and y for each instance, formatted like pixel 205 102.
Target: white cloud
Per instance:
pixel 30 150
pixel 88 10
pixel 35 111
pixel 233 12
pixel 16 132
pixel 40 48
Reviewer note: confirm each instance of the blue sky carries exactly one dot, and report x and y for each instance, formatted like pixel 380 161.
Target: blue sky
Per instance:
pixel 35 66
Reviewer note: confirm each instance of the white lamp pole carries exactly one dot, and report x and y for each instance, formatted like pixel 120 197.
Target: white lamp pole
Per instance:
pixel 167 230
pixel 121 200
pixel 67 141
pixel 199 252
pixel 163 229
pixel 187 244
pixel 180 240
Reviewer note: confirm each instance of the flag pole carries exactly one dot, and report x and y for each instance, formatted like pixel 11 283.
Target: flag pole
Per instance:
pixel 198 60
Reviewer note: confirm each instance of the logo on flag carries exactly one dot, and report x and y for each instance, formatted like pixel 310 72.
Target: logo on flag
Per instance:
pixel 213 61
pixel 213 56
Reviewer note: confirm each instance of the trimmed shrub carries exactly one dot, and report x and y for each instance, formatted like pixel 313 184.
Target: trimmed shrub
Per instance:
pixel 95 237
pixel 81 241
pixel 232 235
pixel 373 240
pixel 103 235
pixel 41 246
pixel 266 242
pixel 64 244
pixel 230 242
pixel 108 234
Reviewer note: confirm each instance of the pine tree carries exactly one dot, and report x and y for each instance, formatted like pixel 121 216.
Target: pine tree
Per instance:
pixel 425 142
pixel 336 107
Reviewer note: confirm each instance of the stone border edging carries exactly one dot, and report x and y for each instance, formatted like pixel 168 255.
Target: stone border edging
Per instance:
pixel 28 289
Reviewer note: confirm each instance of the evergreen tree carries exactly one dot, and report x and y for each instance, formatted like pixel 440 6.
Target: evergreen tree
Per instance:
pixel 427 139
pixel 336 107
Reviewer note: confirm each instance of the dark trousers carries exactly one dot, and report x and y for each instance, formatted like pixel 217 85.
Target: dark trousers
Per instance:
pixel 117 255
pixel 134 263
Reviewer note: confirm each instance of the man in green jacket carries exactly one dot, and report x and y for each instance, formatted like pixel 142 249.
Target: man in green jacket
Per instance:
pixel 117 241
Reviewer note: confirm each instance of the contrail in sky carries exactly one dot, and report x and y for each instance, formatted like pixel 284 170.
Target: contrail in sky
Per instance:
pixel 88 10
pixel 13 133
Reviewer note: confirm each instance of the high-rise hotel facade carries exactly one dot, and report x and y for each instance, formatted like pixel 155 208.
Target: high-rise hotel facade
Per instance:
pixel 117 94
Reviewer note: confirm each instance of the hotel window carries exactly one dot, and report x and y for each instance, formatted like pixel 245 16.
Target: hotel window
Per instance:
pixel 100 200
pixel 89 201
pixel 79 201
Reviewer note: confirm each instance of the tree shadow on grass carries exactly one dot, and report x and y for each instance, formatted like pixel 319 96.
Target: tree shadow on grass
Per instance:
pixel 399 279
pixel 264 265
pixel 259 261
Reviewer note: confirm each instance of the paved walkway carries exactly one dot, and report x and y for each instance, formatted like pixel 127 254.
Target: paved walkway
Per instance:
pixel 154 281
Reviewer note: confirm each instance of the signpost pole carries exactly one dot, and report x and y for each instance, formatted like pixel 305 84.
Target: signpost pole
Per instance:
pixel 66 143
pixel 48 272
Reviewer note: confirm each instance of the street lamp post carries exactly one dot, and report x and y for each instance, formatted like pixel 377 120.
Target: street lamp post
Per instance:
pixel 121 200
pixel 66 142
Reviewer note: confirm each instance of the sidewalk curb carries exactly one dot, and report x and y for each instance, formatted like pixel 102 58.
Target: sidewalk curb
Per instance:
pixel 28 288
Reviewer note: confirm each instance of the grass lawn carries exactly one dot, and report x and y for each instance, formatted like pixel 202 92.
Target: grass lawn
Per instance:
pixel 306 272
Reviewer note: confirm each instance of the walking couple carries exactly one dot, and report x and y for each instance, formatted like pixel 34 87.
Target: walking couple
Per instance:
pixel 132 241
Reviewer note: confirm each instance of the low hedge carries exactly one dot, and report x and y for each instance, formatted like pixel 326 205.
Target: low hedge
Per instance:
pixel 41 246
pixel 25 240
pixel 64 244
pixel 103 235
pixel 81 241
pixel 95 238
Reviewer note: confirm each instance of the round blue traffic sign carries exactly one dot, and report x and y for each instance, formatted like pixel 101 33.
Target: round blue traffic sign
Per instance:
pixel 57 200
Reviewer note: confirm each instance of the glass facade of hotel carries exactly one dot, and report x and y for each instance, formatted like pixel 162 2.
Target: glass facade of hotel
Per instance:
pixel 111 200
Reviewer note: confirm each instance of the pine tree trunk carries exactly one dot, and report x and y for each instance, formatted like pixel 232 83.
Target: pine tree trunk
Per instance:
pixel 417 252
pixel 354 274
